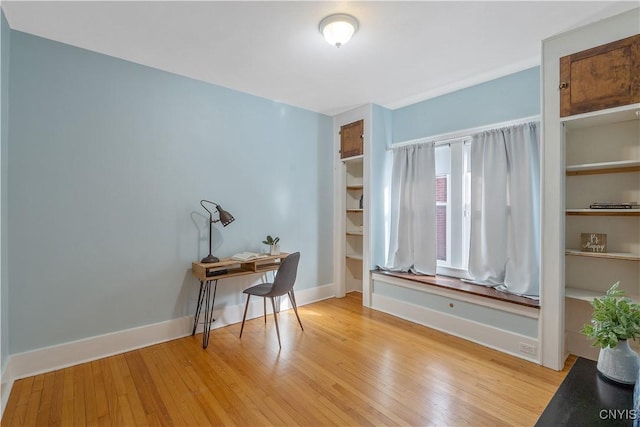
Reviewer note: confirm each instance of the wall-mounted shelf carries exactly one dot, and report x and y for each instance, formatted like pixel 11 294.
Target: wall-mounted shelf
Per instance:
pixel 608 255
pixel 355 233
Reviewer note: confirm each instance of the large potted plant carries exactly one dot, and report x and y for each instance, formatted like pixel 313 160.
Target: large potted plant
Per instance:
pixel 615 320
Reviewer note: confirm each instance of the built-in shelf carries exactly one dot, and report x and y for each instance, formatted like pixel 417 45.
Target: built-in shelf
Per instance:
pixel 604 212
pixel 588 295
pixel 609 255
pixel 581 294
pixel 602 117
pixel 604 167
pixel 352 258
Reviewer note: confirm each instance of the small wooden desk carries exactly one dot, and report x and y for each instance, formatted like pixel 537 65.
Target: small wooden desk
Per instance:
pixel 208 273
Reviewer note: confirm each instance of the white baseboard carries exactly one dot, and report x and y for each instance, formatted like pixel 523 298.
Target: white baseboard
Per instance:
pixel 47 359
pixel 488 336
pixel 6 384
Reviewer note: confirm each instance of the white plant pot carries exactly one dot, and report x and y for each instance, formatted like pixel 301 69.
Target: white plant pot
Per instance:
pixel 274 249
pixel 619 364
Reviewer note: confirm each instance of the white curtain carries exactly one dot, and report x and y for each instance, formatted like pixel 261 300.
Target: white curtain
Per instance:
pixel 413 210
pixel 505 203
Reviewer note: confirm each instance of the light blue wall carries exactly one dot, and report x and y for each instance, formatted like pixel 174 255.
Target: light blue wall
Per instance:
pixel 5 35
pixel 109 161
pixel 508 98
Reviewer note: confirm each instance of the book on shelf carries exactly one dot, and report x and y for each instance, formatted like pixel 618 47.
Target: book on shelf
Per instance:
pixel 247 256
pixel 614 205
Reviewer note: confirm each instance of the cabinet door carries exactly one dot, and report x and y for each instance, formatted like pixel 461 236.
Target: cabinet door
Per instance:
pixel 351 137
pixel 602 77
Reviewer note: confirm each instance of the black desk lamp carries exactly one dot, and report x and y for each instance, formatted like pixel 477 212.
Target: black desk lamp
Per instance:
pixel 224 217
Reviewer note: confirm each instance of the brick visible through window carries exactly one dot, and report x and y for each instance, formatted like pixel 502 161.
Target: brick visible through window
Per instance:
pixel 441 189
pixel 441 218
pixel 441 232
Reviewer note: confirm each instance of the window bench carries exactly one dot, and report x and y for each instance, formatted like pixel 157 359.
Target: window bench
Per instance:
pixel 461 286
pixel 495 319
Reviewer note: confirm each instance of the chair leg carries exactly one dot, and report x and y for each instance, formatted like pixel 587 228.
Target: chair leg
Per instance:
pixel 292 298
pixel 245 314
pixel 275 316
pixel 264 301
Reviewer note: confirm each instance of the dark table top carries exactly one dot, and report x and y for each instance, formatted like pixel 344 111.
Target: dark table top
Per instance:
pixel 585 398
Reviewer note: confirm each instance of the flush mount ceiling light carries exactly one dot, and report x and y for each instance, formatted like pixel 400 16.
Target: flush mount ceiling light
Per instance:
pixel 338 28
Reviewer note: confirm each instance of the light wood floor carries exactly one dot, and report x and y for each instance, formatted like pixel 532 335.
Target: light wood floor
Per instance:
pixel 350 366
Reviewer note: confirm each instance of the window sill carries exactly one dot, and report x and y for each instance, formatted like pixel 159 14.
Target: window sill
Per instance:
pixel 458 285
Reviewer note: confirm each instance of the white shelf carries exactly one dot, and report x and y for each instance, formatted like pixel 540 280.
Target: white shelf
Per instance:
pixel 354 256
pixel 588 295
pixel 354 233
pixel 604 167
pixel 581 294
pixel 608 255
pixel 350 159
pixel 601 117
pixel 361 187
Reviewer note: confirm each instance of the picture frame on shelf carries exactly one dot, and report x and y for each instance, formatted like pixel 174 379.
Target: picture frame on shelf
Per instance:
pixel 593 242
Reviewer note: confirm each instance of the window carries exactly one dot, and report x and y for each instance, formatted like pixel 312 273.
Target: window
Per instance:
pixel 453 198
pixel 443 228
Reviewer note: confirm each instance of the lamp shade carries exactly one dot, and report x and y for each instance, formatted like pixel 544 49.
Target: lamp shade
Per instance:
pixel 338 29
pixel 225 217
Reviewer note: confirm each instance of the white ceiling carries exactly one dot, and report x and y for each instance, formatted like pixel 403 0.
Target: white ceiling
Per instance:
pixel 404 52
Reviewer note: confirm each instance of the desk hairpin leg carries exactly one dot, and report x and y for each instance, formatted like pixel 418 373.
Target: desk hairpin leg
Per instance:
pixel 209 300
pixel 196 318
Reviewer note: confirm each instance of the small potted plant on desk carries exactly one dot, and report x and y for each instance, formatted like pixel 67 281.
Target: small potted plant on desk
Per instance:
pixel 615 320
pixel 274 246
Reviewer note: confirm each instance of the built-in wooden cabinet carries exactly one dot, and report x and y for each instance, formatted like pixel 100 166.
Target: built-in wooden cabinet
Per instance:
pixel 351 202
pixel 590 153
pixel 602 155
pixel 351 139
pixel 603 77
pixel 352 241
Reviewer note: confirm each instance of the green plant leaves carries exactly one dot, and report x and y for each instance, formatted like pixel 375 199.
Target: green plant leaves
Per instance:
pixel 614 318
pixel 271 240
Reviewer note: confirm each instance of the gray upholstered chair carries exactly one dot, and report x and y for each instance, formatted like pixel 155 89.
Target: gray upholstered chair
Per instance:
pixel 282 285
